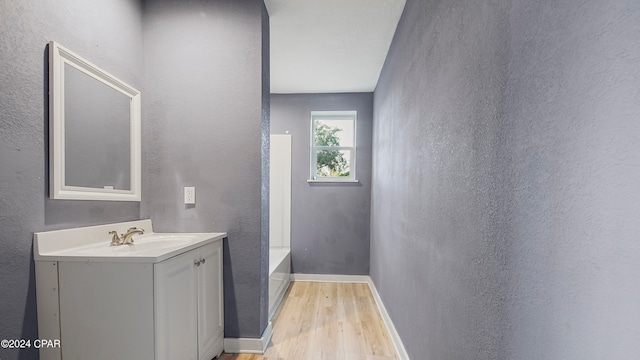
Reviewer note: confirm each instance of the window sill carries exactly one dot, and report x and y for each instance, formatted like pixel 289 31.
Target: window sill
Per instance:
pixel 334 181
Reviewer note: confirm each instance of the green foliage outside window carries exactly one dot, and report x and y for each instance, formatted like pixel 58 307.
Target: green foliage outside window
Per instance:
pixel 329 162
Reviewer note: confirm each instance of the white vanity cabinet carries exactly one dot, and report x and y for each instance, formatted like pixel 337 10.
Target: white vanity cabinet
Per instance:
pixel 161 298
pixel 189 305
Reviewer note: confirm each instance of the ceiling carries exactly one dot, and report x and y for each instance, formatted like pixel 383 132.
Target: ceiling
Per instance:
pixel 329 46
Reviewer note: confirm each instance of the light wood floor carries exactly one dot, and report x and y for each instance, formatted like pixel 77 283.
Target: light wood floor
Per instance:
pixel 326 321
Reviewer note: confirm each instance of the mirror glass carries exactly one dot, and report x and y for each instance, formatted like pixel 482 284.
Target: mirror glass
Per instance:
pixel 95 131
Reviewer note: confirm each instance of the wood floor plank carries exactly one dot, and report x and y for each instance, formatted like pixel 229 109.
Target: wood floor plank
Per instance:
pixel 326 321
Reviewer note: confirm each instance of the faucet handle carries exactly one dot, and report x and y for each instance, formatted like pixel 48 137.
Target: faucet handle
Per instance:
pixel 115 238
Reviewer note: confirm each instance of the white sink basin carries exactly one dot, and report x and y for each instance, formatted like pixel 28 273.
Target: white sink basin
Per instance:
pixel 153 243
pixel 94 244
pixel 142 244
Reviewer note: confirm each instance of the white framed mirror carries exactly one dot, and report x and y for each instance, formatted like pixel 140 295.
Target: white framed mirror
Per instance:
pixel 94 131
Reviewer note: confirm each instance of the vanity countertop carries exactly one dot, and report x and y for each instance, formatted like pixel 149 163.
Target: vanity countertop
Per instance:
pixel 92 244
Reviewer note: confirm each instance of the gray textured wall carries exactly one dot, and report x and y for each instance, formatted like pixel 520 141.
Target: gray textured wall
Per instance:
pixel 204 127
pixel 572 194
pixel 436 255
pixel 107 32
pixel 329 222
pixel 506 164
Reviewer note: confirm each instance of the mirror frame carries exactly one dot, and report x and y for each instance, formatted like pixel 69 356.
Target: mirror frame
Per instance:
pixel 58 189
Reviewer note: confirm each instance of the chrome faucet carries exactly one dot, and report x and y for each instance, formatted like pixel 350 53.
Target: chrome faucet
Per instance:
pixel 126 238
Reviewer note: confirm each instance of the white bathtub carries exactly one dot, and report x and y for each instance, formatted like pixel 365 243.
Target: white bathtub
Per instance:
pixel 279 278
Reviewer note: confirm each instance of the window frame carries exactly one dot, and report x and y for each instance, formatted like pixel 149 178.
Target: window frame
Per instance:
pixel 350 115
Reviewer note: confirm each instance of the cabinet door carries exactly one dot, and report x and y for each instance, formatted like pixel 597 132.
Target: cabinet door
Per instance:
pixel 210 301
pixel 176 304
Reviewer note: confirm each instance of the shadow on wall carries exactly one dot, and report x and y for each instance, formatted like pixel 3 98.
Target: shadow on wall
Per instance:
pixel 30 318
pixel 231 324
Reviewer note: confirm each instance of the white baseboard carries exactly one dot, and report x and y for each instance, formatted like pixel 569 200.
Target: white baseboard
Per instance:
pixel 331 278
pixel 249 345
pixel 393 333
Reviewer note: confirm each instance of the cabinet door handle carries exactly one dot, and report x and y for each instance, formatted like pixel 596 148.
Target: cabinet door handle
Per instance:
pixel 197 263
pixel 202 261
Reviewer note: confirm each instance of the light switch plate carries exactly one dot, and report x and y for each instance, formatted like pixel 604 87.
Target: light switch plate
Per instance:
pixel 189 195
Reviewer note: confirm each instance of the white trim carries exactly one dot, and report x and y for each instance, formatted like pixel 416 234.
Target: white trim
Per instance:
pixel 393 333
pixel 332 180
pixel 249 345
pixel 331 278
pixel 60 56
pixel 350 115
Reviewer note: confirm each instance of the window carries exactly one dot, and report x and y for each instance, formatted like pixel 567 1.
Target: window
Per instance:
pixel 333 145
